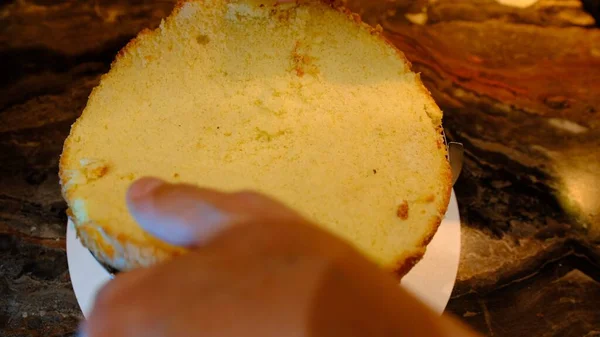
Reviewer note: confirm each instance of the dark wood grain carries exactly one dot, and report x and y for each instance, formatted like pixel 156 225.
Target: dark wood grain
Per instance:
pixel 561 300
pixel 518 86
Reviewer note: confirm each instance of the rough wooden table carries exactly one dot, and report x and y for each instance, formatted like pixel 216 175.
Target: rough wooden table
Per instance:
pixel 520 87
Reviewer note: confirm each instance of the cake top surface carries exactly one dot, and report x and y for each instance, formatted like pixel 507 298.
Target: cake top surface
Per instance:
pixel 302 102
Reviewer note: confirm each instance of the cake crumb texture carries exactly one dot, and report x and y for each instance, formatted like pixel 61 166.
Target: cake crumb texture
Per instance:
pixel 299 101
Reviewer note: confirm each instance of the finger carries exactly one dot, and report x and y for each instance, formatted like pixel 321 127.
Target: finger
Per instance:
pixel 188 216
pixel 182 215
pixel 259 207
pixel 120 287
pixel 111 304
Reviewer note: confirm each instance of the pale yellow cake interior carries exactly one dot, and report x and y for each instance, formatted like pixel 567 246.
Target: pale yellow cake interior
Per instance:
pixel 300 103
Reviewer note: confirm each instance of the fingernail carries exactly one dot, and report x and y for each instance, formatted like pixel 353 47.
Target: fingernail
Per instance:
pixel 144 187
pixel 180 215
pixel 186 222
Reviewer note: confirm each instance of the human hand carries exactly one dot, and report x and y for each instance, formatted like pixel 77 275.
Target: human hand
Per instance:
pixel 256 268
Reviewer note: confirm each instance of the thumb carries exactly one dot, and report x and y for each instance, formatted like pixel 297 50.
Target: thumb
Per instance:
pixel 181 215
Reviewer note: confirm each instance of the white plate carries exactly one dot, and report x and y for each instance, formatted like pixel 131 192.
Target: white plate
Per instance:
pixel 431 280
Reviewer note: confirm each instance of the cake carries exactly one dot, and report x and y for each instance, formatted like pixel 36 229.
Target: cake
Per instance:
pixel 301 101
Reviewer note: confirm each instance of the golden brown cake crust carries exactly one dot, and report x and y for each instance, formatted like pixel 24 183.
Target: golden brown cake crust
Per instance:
pixel 125 253
pixel 121 252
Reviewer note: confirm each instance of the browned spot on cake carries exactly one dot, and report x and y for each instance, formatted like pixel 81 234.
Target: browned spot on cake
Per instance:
pixel 176 175
pixel 202 39
pixel 121 237
pixel 426 199
pixel 93 169
pixel 301 62
pixel 109 251
pixel 97 172
pixel 439 143
pixel 282 16
pixel 297 60
pixel 402 211
pixel 128 176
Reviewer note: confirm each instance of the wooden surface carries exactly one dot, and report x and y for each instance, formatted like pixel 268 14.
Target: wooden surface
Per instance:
pixel 520 87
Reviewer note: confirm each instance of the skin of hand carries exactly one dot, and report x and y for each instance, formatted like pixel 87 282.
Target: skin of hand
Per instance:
pixel 255 268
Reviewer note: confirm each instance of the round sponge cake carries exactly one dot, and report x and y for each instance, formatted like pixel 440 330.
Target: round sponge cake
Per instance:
pixel 300 101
